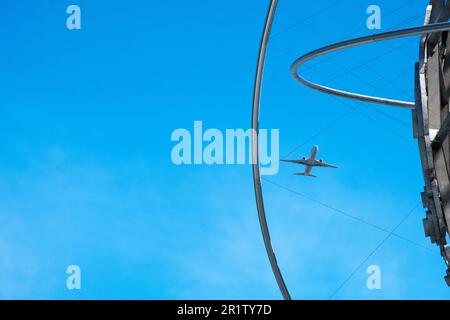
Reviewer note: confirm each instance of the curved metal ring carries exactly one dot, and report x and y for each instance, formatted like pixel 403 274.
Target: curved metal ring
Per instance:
pixel 255 150
pixel 422 30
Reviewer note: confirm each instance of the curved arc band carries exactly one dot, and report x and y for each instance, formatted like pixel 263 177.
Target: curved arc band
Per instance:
pixel 255 150
pixel 422 30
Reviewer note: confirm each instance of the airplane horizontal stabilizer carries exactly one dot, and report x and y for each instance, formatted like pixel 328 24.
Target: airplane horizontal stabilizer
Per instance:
pixel 305 174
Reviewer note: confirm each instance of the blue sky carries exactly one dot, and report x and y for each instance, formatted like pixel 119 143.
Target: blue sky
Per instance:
pixel 86 176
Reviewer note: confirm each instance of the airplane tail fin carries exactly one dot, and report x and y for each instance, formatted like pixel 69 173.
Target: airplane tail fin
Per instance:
pixel 305 174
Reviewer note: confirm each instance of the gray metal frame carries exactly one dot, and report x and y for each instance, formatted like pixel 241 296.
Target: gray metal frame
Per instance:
pixel 430 111
pixel 432 126
pixel 255 150
pixel 423 30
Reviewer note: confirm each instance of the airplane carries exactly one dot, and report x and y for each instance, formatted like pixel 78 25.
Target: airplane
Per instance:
pixel 310 163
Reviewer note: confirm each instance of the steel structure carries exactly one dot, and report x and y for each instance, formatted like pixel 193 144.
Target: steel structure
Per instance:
pixel 430 111
pixel 431 122
pixel 430 114
pixel 423 30
pixel 255 150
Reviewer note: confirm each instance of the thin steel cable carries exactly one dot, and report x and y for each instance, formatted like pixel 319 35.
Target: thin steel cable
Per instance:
pixel 373 252
pixel 343 116
pixel 366 63
pixel 406 21
pixel 348 215
pixel 377 110
pixel 305 19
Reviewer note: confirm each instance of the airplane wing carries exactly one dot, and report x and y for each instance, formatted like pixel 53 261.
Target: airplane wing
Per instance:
pixel 304 162
pixel 323 164
pixel 310 163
